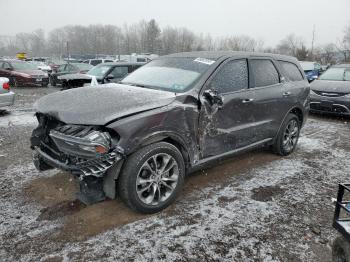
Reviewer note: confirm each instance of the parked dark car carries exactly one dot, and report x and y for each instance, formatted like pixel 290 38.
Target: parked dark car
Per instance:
pixel 23 73
pixel 331 92
pixel 312 70
pixel 68 68
pixel 104 73
pixel 174 115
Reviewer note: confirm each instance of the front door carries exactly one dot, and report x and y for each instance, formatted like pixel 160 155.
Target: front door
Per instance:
pixel 226 101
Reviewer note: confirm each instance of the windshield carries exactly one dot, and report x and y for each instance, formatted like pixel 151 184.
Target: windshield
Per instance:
pixel 23 66
pixel 336 74
pixel 83 66
pixel 307 66
pixel 170 74
pixel 99 70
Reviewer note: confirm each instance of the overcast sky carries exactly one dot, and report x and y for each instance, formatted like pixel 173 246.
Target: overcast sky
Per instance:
pixel 269 20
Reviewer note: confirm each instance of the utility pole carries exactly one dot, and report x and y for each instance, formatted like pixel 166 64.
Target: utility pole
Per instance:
pixel 68 53
pixel 313 41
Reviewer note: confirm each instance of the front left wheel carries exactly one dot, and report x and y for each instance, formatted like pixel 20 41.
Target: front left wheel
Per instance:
pixel 152 177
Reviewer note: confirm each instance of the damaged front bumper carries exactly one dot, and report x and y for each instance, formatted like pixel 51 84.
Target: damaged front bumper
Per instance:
pixel 86 151
pixel 82 150
pixel 91 167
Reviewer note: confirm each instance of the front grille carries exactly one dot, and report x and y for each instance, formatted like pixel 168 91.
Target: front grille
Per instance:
pixel 330 94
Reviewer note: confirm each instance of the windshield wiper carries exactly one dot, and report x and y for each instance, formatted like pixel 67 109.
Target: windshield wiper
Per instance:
pixel 133 84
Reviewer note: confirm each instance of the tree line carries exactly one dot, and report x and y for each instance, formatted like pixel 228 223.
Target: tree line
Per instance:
pixel 148 37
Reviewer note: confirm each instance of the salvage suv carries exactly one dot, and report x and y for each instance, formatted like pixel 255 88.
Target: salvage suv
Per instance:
pixel 174 115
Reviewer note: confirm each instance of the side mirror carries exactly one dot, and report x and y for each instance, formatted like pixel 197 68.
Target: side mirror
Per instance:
pixel 8 68
pixel 283 79
pixel 109 77
pixel 213 97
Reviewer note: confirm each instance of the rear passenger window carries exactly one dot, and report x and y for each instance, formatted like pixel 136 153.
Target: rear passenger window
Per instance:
pixel 233 76
pixel 292 71
pixel 265 73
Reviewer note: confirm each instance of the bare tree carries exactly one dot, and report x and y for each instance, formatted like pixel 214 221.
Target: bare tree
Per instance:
pixel 152 37
pixel 240 43
pixel 343 45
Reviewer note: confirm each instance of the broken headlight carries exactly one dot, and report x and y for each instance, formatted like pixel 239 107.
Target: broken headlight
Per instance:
pixel 81 141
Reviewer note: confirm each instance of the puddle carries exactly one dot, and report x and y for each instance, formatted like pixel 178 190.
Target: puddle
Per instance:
pixel 267 193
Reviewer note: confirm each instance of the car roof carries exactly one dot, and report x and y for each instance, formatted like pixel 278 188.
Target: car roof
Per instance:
pixel 123 63
pixel 219 54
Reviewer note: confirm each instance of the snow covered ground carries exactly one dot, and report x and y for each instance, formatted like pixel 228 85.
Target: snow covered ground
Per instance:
pixel 254 207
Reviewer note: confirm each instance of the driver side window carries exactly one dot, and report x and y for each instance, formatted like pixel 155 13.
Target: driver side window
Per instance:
pixel 232 76
pixel 119 71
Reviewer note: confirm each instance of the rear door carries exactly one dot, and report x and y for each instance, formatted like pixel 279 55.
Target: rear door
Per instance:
pixel 294 87
pixel 266 97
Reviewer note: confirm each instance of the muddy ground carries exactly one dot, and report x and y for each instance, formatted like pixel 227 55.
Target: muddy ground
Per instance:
pixel 254 207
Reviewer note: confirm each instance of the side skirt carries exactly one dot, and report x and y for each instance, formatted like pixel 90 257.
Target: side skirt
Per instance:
pixel 206 161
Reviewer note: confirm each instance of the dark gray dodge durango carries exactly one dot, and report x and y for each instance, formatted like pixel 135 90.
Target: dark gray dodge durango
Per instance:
pixel 177 114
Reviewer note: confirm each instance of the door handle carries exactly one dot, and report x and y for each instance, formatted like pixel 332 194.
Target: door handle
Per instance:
pixel 248 100
pixel 286 94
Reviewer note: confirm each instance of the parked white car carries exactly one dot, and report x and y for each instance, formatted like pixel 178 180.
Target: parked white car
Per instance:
pixel 42 66
pixel 7 97
pixel 97 61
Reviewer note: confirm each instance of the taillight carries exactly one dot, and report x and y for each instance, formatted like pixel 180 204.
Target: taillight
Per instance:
pixel 6 86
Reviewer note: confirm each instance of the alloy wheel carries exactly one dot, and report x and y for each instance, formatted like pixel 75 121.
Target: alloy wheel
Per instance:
pixel 290 136
pixel 157 179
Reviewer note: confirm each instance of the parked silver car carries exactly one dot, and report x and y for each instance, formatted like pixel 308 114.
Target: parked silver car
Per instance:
pixel 7 97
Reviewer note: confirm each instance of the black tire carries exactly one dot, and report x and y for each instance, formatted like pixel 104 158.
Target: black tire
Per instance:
pixel 341 250
pixel 13 81
pixel 132 170
pixel 279 147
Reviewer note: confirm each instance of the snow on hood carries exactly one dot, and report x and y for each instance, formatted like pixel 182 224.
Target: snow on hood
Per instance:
pixel 100 105
pixel 331 86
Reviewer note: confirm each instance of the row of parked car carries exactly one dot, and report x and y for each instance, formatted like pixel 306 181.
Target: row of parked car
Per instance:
pixel 39 73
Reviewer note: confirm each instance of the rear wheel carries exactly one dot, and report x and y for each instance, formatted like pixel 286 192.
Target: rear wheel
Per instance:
pixel 288 136
pixel 152 177
pixel 13 81
pixel 341 250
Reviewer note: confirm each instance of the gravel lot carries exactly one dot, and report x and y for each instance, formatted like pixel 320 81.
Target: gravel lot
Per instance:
pixel 255 207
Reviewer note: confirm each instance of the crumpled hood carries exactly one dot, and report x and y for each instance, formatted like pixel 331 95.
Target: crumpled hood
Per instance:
pixel 331 86
pixel 100 105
